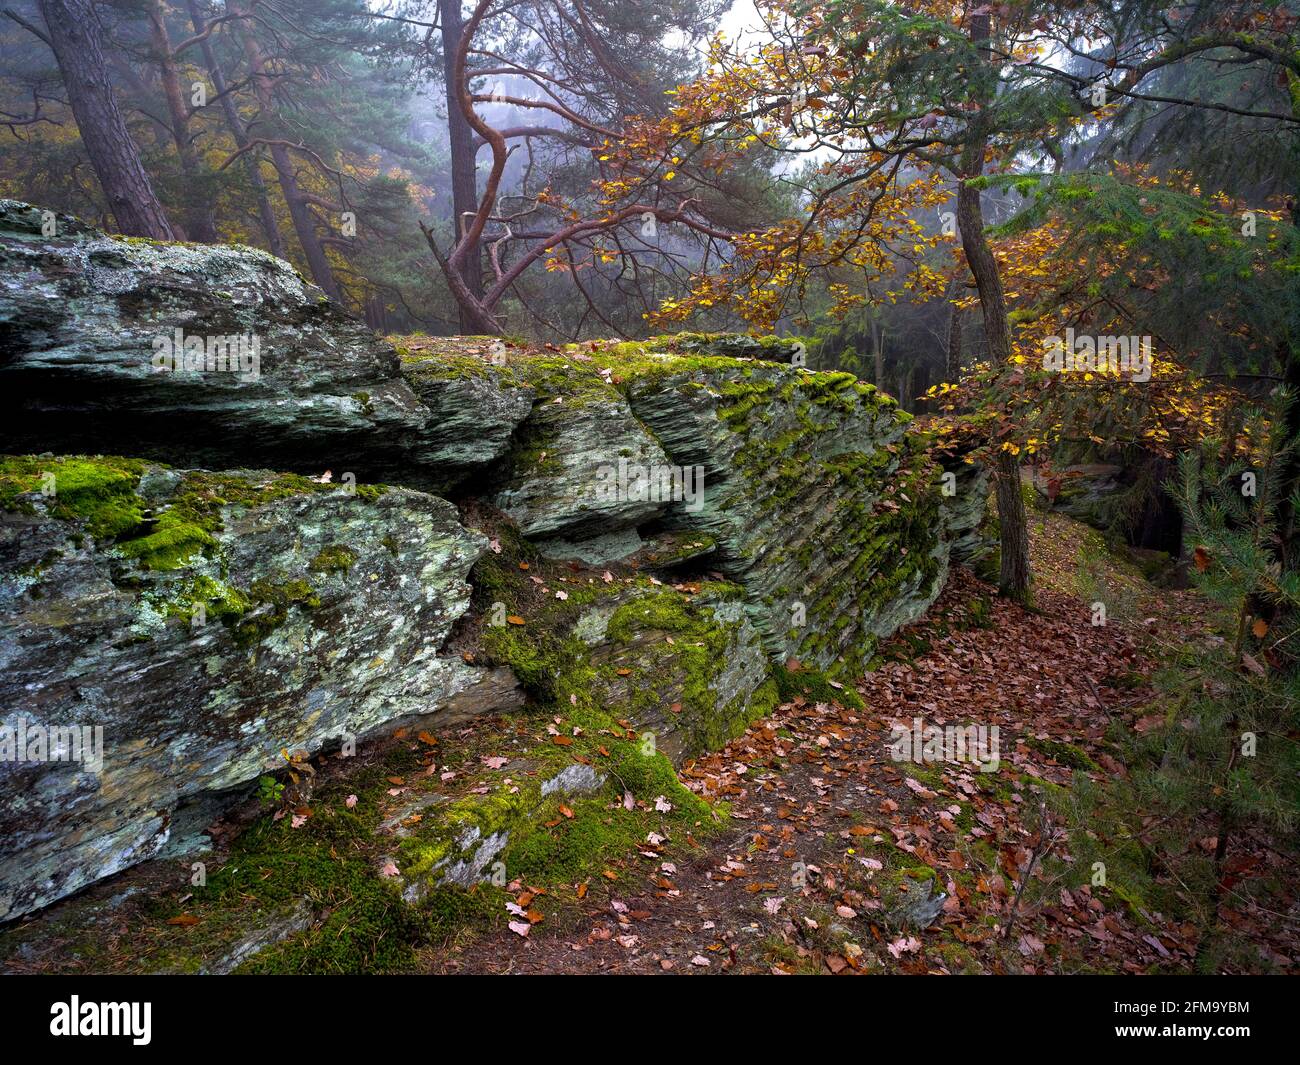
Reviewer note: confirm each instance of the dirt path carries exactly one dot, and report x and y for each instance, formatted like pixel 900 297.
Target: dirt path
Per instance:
pixel 839 858
pixel 835 850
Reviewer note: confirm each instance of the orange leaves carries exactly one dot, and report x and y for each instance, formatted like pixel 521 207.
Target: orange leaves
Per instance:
pixel 864 220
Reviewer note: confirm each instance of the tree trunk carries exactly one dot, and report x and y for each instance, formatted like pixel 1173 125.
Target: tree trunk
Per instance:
pixel 464 183
pixel 1289 467
pixel 199 224
pixel 952 368
pixel 1014 576
pixel 376 314
pixel 1014 579
pixel 252 166
pixel 304 224
pixel 79 49
pixel 920 381
pixel 475 317
pixel 878 344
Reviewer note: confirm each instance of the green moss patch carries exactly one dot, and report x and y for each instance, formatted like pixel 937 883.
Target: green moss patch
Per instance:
pixel 1062 753
pixel 330 863
pixel 814 687
pixel 334 558
pixel 97 491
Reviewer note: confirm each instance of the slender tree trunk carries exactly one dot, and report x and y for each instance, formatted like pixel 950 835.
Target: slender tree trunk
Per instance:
pixel 1289 471
pixel 304 224
pixel 199 224
pixel 952 367
pixel 1014 578
pixel 1288 521
pixel 79 49
pixel 252 165
pixel 878 344
pixel 464 183
pixel 920 381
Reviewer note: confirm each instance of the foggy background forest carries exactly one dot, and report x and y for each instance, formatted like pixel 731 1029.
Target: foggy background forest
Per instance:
pixel 318 130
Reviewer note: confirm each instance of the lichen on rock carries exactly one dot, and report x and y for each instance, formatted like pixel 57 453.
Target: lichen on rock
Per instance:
pixel 189 615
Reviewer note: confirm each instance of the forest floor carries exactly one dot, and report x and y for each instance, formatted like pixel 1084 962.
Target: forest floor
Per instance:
pixel 831 843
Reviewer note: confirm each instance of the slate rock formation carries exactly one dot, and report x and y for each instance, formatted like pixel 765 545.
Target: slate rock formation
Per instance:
pixel 613 556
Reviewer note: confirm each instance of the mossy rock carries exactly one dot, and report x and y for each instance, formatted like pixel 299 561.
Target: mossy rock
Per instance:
pixel 205 621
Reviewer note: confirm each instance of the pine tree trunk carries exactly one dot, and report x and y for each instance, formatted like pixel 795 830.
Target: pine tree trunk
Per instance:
pixel 1289 355
pixel 199 224
pixel 464 182
pixel 304 224
pixel 238 131
pixel 79 49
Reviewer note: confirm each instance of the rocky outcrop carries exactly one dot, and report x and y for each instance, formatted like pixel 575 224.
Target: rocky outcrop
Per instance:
pixel 965 506
pixel 643 535
pixel 198 625
pixel 688 669
pixel 212 356
pixel 562 482
pixel 1082 492
pixel 474 408
pixel 822 509
pixel 805 489
pixel 735 346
